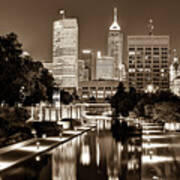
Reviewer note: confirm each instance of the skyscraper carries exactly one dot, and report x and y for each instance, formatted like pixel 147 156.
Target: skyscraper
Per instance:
pixel 65 51
pixel 115 48
pixel 89 57
pixel 148 61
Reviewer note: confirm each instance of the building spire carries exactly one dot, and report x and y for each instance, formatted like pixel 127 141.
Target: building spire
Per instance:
pixel 150 27
pixel 115 14
pixel 115 26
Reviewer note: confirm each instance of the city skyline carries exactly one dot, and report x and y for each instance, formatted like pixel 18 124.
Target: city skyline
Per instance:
pixel 32 21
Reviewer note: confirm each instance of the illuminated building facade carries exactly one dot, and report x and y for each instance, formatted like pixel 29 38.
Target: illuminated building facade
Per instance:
pixel 65 52
pixel 97 89
pixel 105 68
pixel 90 63
pixel 115 48
pixel 148 61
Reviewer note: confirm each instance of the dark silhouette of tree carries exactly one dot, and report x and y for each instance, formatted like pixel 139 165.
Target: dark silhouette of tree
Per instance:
pixel 66 98
pixel 21 78
pixel 123 101
pixel 92 99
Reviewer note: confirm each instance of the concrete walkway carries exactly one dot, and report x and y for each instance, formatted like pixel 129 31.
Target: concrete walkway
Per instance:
pixel 14 154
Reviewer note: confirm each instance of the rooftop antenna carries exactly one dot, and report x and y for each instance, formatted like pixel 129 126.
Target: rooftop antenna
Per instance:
pixel 62 13
pixel 150 27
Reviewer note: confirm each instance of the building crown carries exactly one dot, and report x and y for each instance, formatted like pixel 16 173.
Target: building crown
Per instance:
pixel 115 26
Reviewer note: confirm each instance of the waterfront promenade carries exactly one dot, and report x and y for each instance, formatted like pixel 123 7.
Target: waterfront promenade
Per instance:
pixel 14 154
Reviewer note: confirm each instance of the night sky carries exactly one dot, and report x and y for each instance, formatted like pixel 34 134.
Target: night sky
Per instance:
pixel 32 21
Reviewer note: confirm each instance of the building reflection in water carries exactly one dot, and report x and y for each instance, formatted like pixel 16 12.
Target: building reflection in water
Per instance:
pixel 91 156
pixel 64 162
pixel 85 157
pixel 98 157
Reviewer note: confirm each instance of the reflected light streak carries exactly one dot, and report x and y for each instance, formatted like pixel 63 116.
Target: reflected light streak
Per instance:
pixel 154 145
pixel 151 127
pixel 97 153
pixel 152 131
pixel 72 132
pixel 159 136
pixel 33 148
pixel 59 139
pixel 85 157
pixel 156 159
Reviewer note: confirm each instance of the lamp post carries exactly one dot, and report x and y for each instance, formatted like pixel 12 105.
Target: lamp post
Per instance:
pixel 22 94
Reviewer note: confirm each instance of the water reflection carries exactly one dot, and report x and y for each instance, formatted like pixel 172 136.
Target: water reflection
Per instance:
pixel 36 168
pixel 85 157
pixel 91 156
pixel 64 162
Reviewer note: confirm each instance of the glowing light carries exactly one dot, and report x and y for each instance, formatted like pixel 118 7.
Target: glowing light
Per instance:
pixel 72 132
pixel 86 51
pixel 37 144
pixel 61 11
pixel 57 138
pixel 115 26
pixel 150 88
pixel 38 158
pixel 99 54
pixel 85 158
pixel 97 152
pixel 155 177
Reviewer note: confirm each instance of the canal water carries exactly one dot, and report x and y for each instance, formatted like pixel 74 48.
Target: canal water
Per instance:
pixel 97 155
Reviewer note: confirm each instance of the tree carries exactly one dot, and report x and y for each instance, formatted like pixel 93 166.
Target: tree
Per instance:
pixel 123 102
pixel 21 78
pixel 66 98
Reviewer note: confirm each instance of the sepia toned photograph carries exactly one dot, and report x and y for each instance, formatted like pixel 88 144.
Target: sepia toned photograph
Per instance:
pixel 89 90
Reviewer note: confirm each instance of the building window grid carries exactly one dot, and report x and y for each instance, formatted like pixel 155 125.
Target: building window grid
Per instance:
pixel 150 63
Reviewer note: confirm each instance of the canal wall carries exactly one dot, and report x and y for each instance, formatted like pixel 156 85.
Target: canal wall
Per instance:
pixel 38 146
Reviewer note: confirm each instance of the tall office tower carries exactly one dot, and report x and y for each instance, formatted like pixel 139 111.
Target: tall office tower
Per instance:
pixel 115 48
pixel 88 56
pixel 105 68
pixel 65 51
pixel 148 61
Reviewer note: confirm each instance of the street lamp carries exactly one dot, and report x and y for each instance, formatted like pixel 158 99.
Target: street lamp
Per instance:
pixel 22 94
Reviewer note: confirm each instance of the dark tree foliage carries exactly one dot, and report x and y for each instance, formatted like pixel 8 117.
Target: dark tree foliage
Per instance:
pixel 92 99
pixel 148 100
pixel 123 101
pixel 66 97
pixel 21 78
